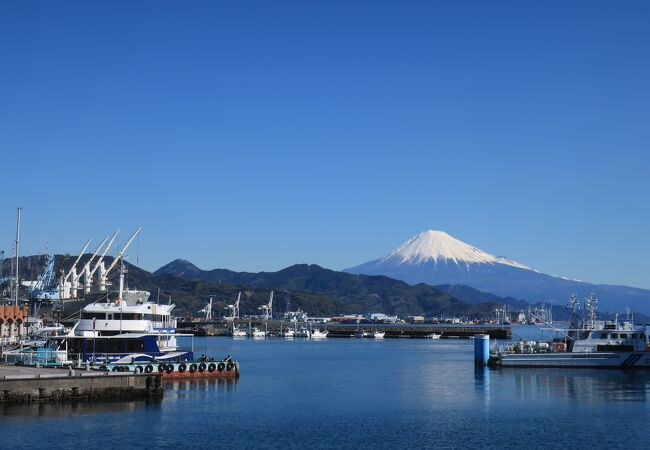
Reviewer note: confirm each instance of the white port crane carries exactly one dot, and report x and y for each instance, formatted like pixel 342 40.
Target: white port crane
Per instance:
pixel 88 273
pixel 75 277
pixel 207 311
pixel 268 308
pixel 103 272
pixel 233 310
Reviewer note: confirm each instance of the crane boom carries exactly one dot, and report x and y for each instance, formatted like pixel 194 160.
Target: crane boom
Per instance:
pixel 97 251
pixel 119 255
pixel 77 260
pixel 101 258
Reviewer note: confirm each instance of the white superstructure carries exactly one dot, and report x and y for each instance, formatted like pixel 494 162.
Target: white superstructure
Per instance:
pixel 587 343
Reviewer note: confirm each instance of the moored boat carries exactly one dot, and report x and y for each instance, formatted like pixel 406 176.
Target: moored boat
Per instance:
pixel 287 333
pixel 361 333
pixel 302 332
pixel 318 334
pixel 256 333
pixel 588 343
pixel 236 332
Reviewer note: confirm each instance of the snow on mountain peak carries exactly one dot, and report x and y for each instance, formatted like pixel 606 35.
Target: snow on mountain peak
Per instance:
pixel 439 246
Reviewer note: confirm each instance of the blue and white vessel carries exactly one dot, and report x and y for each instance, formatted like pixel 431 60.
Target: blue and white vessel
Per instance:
pixel 587 343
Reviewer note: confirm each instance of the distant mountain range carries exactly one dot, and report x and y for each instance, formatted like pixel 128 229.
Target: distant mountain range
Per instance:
pixel 347 293
pixel 435 258
pixel 316 290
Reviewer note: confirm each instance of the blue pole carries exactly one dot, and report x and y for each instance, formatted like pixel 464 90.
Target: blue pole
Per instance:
pixel 481 349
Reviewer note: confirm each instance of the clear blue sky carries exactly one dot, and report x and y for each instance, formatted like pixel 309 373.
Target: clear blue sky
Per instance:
pixel 255 135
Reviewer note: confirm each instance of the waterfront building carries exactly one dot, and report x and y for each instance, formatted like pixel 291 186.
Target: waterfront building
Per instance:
pixel 12 323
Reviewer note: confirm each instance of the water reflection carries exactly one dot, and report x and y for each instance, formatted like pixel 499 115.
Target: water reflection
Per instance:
pixel 79 407
pixel 201 384
pixel 575 384
pixel 482 382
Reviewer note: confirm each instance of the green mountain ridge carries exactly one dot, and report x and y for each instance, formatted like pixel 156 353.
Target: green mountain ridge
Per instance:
pixel 314 289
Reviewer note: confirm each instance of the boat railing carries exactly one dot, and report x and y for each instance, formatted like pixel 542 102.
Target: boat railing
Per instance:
pixel 40 357
pixel 10 340
pixel 60 358
pixel 166 324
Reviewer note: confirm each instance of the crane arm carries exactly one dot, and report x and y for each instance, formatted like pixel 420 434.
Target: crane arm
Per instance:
pixel 119 255
pixel 89 262
pixel 92 272
pixel 77 260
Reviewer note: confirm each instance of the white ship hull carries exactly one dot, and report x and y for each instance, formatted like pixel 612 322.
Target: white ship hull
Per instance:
pixel 623 360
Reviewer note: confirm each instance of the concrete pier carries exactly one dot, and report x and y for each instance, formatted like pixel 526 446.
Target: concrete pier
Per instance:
pixel 21 384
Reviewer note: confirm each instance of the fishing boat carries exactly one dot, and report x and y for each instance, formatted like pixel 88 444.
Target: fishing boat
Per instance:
pixel 236 332
pixel 256 333
pixel 302 332
pixel 587 343
pixel 287 333
pixel 318 334
pixel 361 333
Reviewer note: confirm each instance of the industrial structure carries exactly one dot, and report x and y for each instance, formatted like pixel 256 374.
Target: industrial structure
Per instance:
pixel 233 310
pixel 53 286
pixel 267 310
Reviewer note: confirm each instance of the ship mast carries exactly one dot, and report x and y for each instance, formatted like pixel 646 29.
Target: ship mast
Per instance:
pixel 20 210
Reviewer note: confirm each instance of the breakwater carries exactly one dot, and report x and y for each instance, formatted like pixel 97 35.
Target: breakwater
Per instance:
pixel 20 384
pixel 343 330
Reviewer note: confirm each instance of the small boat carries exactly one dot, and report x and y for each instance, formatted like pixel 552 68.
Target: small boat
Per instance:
pixel 318 334
pixel 236 332
pixel 434 336
pixel 360 333
pixel 378 334
pixel 302 332
pixel 287 333
pixel 256 333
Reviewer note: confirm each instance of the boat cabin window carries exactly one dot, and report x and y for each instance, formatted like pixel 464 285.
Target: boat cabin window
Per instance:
pixel 91 315
pixel 613 335
pixel 635 336
pixel 598 335
pixel 642 336
pixel 154 317
pixel 623 335
pixel 127 316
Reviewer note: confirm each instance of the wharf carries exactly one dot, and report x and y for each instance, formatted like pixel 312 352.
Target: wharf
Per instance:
pixel 24 384
pixel 396 330
pixel 401 330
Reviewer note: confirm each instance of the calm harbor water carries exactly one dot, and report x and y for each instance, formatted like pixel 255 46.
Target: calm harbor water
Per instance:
pixel 352 393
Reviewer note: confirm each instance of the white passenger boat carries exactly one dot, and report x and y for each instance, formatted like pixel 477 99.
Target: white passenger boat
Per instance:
pixel 434 336
pixel 587 343
pixel 378 334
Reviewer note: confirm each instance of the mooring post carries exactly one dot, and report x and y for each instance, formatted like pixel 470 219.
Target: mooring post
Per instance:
pixel 481 349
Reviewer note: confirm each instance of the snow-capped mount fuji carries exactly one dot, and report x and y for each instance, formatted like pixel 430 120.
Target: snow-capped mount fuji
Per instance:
pixel 437 258
pixel 440 247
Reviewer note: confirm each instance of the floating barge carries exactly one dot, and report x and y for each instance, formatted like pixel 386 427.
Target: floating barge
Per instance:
pixel 202 368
